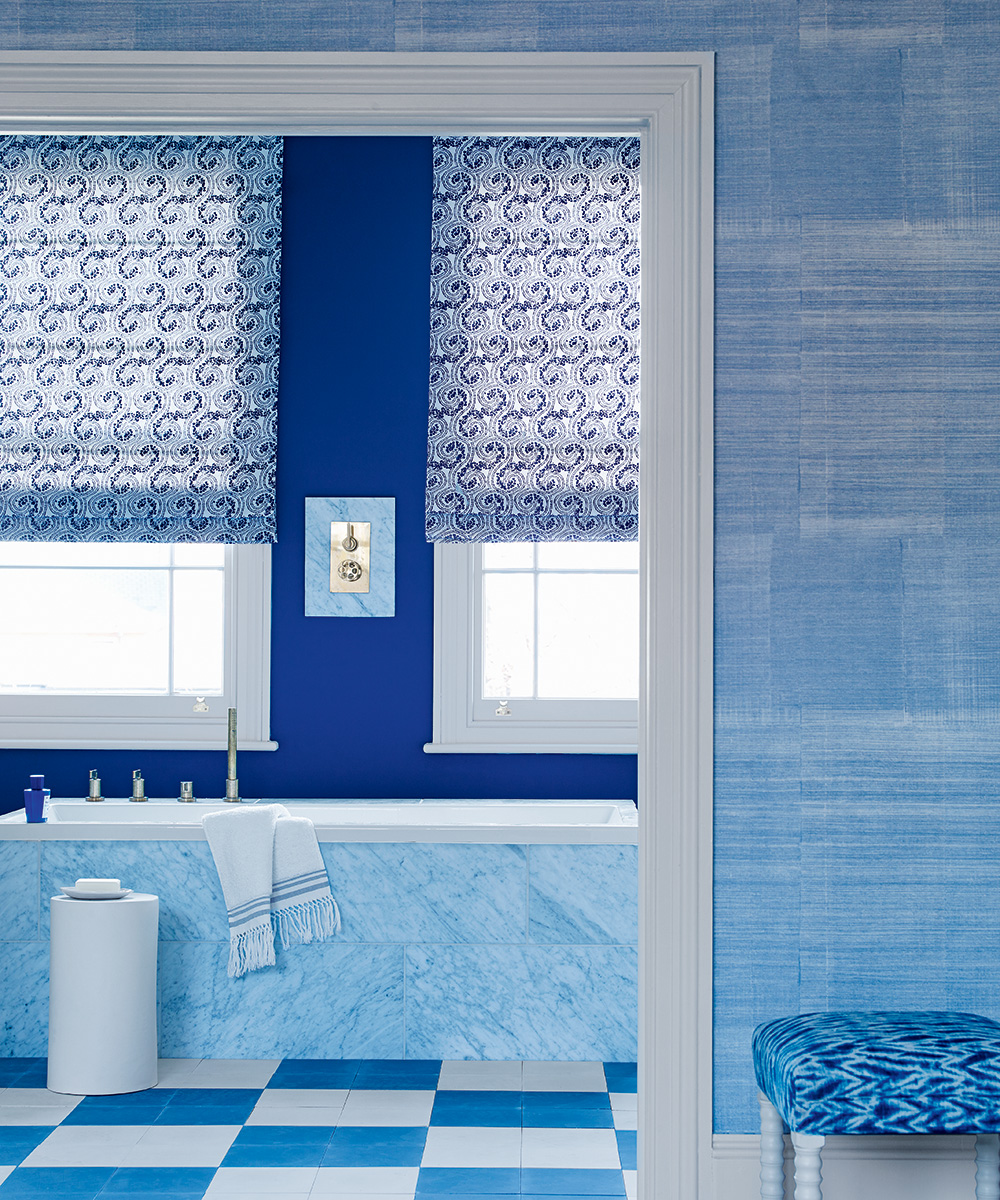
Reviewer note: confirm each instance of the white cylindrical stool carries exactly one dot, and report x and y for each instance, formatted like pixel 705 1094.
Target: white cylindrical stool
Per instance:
pixel 102 995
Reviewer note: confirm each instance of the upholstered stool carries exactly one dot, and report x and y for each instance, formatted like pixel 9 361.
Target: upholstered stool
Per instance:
pixel 875 1072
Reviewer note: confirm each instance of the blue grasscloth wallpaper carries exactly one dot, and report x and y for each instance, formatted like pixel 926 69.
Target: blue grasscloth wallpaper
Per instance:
pixel 858 461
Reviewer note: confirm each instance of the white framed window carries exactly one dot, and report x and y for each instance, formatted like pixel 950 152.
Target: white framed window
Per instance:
pixel 536 648
pixel 133 645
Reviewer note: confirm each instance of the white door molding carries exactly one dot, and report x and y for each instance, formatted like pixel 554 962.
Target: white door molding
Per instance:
pixel 667 98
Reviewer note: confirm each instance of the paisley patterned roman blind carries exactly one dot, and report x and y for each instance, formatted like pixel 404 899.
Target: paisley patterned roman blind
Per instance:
pixel 534 381
pixel 138 337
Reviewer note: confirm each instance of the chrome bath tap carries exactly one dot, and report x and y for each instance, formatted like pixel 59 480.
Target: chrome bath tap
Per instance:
pixel 232 783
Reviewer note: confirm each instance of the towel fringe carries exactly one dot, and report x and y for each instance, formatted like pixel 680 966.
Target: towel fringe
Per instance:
pixel 251 949
pixel 315 920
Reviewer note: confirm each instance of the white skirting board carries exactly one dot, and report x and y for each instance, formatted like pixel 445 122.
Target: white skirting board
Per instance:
pixel 927 1167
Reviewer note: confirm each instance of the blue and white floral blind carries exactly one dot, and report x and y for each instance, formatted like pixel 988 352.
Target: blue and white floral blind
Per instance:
pixel 139 337
pixel 534 382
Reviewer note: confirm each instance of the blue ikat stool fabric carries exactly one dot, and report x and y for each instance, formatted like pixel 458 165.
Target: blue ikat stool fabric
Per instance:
pixel 881 1072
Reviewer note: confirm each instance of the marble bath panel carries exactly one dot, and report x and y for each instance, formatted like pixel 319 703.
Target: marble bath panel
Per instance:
pixel 530 1002
pixel 435 892
pixel 321 1001
pixel 182 874
pixel 583 894
pixel 19 890
pixel 24 988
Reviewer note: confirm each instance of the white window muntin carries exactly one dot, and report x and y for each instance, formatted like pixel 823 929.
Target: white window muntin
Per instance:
pixel 169 722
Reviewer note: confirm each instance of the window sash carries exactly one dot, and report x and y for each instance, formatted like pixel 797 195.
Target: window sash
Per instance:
pixel 464 723
pixel 128 722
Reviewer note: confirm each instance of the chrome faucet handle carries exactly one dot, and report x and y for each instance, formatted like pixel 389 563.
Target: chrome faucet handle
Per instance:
pixel 138 787
pixel 95 787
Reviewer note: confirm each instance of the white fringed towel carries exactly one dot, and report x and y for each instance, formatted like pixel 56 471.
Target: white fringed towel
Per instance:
pixel 302 908
pixel 272 876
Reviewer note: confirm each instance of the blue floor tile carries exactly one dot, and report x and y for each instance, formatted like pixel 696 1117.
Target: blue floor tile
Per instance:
pixel 497 1109
pixel 627 1148
pixel 376 1146
pixel 546 1181
pixel 36 1074
pixel 57 1183
pixel 18 1141
pixel 567 1110
pixel 217 1097
pixel 204 1114
pixel 621 1076
pixel 165 1181
pixel 284 1135
pixel 419 1074
pixel 468 1181
pixel 273 1155
pixel 12 1069
pixel 315 1073
pixel 101 1110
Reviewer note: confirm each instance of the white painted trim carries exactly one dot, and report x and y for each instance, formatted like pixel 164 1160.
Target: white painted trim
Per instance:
pixel 667 98
pixel 873 1167
pixel 168 723
pixel 553 727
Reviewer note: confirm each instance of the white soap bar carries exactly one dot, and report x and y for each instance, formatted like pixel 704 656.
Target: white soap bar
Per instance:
pixel 98 885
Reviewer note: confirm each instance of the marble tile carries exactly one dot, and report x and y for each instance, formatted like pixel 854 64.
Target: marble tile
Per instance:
pixel 583 894
pixel 24 988
pixel 320 1001
pixel 19 890
pixel 502 1002
pixel 182 874
pixel 412 892
pixel 380 600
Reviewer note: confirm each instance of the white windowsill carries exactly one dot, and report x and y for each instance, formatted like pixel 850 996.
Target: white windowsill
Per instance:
pixel 121 744
pixel 527 748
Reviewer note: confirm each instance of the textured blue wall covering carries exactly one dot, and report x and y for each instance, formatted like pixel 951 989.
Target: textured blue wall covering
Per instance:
pixel 858 461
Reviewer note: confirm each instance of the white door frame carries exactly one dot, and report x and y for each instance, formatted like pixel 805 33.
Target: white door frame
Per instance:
pixel 667 99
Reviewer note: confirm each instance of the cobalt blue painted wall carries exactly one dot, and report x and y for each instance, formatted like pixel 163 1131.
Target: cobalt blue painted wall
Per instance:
pixel 858 461
pixel 350 699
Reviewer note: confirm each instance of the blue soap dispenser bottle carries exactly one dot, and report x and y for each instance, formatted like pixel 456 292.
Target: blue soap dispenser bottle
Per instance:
pixel 36 800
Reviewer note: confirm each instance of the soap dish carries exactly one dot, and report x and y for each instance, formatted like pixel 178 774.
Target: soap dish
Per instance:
pixel 77 894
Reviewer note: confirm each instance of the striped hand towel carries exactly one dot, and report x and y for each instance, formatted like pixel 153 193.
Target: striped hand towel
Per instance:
pixel 269 879
pixel 302 908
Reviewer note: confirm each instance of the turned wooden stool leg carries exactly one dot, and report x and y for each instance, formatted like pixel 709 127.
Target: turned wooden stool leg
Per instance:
pixel 772 1151
pixel 808 1165
pixel 987 1166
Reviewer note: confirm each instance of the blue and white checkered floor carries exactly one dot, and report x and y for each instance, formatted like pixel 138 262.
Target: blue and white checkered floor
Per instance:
pixel 300 1129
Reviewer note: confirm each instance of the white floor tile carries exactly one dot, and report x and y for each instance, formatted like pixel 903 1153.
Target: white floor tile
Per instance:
pixel 49 1114
pixel 261 1181
pixel 563 1077
pixel 460 1146
pixel 369 1195
pixel 182 1146
pixel 15 1097
pixel 171 1071
pixel 303 1097
pixel 366 1181
pixel 458 1076
pixel 86 1146
pixel 625 1118
pixel 371 1106
pixel 231 1073
pixel 591 1149
pixel 624 1101
pixel 4 1172
pixel 631 1184
pixel 272 1114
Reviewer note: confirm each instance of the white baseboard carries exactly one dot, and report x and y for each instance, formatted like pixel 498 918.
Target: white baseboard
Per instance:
pixel 920 1167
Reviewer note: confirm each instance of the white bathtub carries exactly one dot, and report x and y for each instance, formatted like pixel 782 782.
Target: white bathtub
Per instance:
pixel 510 821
